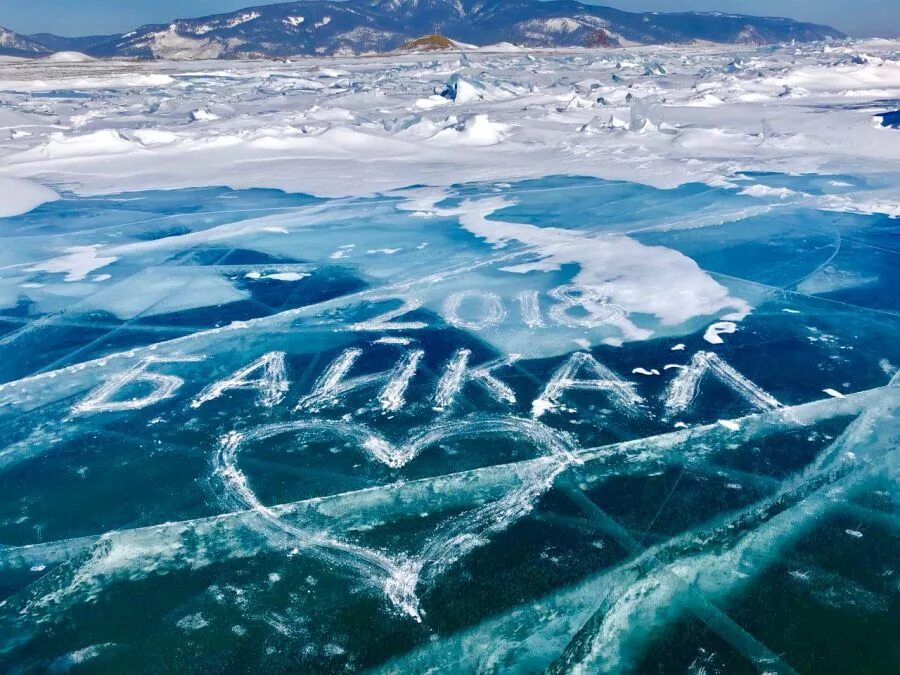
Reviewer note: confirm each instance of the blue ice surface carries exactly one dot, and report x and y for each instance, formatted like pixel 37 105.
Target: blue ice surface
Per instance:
pixel 822 285
pixel 890 119
pixel 63 94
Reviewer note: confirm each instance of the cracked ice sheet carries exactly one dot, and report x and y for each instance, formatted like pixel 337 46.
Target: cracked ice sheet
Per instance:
pixel 236 354
pixel 603 624
pixel 668 291
pixel 430 235
pixel 381 530
pixel 659 283
pixel 137 554
pixel 645 287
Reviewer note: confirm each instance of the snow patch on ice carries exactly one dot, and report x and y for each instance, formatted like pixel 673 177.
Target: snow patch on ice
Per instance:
pixel 18 196
pixel 77 263
pixel 639 279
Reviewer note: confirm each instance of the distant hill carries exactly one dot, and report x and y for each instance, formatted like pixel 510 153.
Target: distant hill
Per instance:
pixel 64 44
pixel 429 43
pixel 360 26
pixel 13 44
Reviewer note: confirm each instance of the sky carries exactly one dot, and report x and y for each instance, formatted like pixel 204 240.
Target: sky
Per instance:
pixel 92 17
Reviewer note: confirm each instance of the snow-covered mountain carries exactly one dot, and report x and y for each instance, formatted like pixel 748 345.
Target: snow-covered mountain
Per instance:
pixel 13 44
pixel 358 26
pixel 56 43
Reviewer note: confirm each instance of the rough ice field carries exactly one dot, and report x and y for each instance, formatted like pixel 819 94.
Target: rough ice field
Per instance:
pixel 581 361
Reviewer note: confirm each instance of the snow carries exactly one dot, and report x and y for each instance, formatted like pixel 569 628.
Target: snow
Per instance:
pixel 21 196
pixel 127 81
pixel 477 131
pixel 631 278
pixel 524 135
pixel 168 44
pixel 77 262
pixel 203 115
pixel 234 22
pixel 68 57
pixel 765 191
pixel 277 276
pixel 561 25
pixel 104 143
pixel 242 19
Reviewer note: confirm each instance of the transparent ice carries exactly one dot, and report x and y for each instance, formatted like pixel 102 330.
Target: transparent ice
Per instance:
pixel 558 424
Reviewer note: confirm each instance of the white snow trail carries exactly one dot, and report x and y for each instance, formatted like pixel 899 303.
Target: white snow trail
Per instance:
pixel 85 566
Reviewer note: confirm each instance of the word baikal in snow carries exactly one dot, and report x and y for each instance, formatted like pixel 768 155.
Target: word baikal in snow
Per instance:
pixel 268 378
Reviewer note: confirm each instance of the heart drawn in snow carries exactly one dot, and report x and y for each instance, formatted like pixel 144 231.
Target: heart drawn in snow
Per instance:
pixel 399 575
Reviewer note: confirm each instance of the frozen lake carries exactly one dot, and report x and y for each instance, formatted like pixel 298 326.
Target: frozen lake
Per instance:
pixel 517 409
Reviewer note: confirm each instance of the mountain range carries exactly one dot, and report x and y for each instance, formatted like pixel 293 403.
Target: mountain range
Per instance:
pixel 362 26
